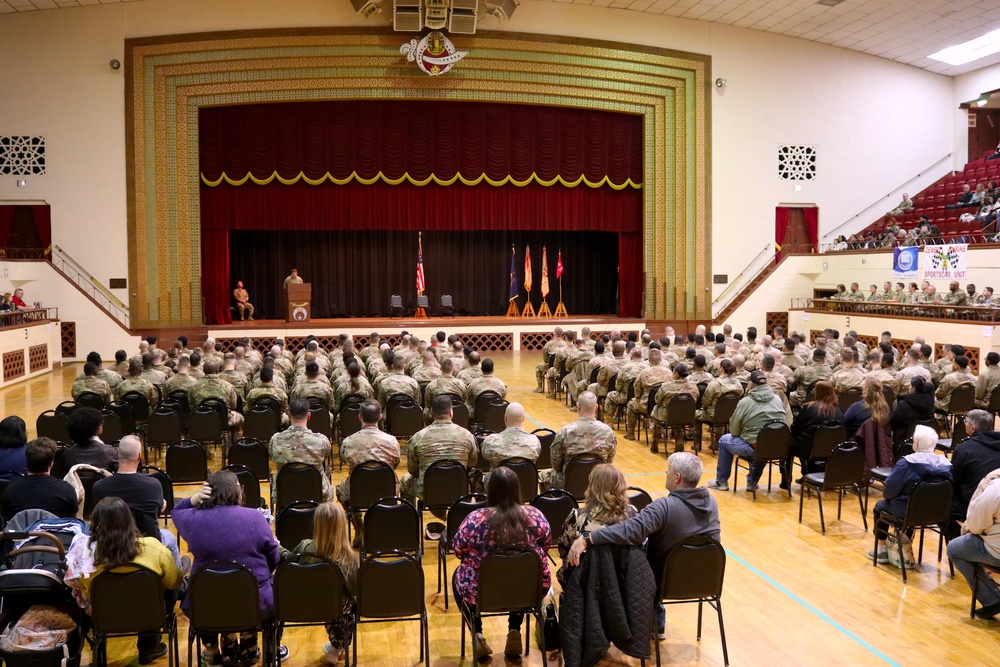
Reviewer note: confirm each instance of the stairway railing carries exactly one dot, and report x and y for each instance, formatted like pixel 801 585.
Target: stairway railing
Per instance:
pixel 89 285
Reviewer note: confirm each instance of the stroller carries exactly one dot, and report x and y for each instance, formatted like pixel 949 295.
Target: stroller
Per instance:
pixel 33 574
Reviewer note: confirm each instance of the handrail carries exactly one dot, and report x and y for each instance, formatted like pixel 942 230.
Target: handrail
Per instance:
pixel 90 286
pixel 972 238
pixel 894 193
pixel 932 311
pixel 27 316
pixel 766 251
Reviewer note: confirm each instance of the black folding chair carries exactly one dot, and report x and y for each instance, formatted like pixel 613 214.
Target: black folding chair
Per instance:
pixel 391 588
pixel 88 478
pixel 391 524
pixel 187 462
pixel 124 413
pixel 260 423
pixel 527 475
pixel 845 471
pixel 309 589
pixel 297 481
pixel 295 523
pixel 545 438
pixel 638 498
pixel 406 419
pixel 462 508
pixel 555 505
pixel 577 477
pixel 126 602
pixel 510 580
pixel 206 426
pixel 928 507
pixel 491 416
pixel 963 399
pixel 51 424
pixel 368 483
pixel 681 411
pixel 166 484
pixel 139 405
pixel 162 428
pixel 112 430
pixel 718 425
pixel 319 418
pixel 90 399
pixel 694 571
pixel 773 442
pixel 222 597
pixel 253 454
pixel 848 397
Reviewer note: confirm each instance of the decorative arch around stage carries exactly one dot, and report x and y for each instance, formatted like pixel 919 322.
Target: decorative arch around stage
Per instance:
pixel 170 79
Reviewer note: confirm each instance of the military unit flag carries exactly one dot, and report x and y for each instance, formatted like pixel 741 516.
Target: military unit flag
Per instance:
pixel 527 269
pixel 513 274
pixel 545 274
pixel 559 265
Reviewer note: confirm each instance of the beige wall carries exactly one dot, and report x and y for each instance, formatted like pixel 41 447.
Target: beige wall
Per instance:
pixel 22 338
pixel 875 122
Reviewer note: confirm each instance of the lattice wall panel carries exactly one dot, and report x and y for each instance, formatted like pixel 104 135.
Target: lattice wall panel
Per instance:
pixel 68 334
pixel 813 333
pixel 13 365
pixel 361 342
pixel 902 345
pixel 38 358
pixel 534 341
pixel 501 342
pixel 870 341
pixel 262 345
pixel 773 320
pixel 971 352
pixel 326 343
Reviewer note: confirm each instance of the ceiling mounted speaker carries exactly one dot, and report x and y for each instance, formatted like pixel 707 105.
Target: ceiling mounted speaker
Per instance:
pixel 502 9
pixel 471 5
pixel 365 6
pixel 407 20
pixel 462 21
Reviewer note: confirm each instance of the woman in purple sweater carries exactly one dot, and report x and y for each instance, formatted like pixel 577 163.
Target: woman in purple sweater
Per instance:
pixel 216 526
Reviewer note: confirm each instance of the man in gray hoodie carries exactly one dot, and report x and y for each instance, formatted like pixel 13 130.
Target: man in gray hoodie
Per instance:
pixel 688 510
pixel 760 406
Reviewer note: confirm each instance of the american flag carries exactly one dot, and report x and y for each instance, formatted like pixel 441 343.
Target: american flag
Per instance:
pixel 421 285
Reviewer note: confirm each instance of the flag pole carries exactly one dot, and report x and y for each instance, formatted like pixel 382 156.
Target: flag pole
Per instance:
pixel 512 310
pixel 529 310
pixel 561 307
pixel 544 310
pixel 421 312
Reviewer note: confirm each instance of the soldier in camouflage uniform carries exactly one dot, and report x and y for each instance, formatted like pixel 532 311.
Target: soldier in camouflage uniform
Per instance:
pixel 233 376
pixel 314 387
pixel 628 373
pixel 297 444
pixel 558 357
pixel 246 364
pixel 726 383
pixel 90 382
pixel 352 383
pixel 700 372
pixel 679 384
pixel 293 279
pixel 121 364
pixel 151 375
pixel 855 294
pixel 196 370
pixel 586 435
pixel 212 386
pixel 442 439
pixel 135 383
pixel 397 382
pixel 849 375
pixel 109 376
pixel 944 364
pixel 807 376
pixel 880 368
pixel 912 368
pixel 474 371
pixel 265 386
pixel 429 369
pixel 656 373
pixel 367 445
pixel 961 375
pixel 181 381
pixel 610 368
pixel 488 382
pixel 512 442
pixel 956 296
pixel 988 380
pixel 778 384
pixel 595 363
pixel 576 368
pixel 446 384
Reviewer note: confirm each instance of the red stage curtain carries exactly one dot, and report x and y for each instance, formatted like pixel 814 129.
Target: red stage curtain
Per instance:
pixel 780 226
pixel 419 138
pixel 43 223
pixel 812 225
pixel 6 218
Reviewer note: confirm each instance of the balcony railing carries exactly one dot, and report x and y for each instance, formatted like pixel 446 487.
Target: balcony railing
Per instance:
pixel 921 311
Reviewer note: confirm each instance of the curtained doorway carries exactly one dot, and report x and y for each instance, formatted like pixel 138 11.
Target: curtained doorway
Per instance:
pixel 354 272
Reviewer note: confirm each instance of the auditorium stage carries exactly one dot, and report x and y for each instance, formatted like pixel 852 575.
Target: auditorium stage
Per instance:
pixel 488 333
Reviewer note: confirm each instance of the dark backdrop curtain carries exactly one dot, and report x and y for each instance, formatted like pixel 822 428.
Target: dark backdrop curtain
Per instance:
pixel 419 138
pixel 353 273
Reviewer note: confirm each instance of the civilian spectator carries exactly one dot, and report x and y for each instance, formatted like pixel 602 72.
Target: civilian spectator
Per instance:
pixel 980 543
pixel 38 489
pixel 85 426
pixel 13 444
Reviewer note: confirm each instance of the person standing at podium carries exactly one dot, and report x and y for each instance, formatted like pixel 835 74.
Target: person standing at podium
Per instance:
pixel 293 279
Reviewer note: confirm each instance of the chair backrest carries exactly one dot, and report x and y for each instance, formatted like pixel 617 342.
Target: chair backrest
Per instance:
pixel 51 424
pixel 163 426
pixel 445 481
pixel 260 423
pixel 593 375
pixel 253 454
pixel 350 419
pixel 509 580
pixel 651 399
pixel 695 568
pixel 297 481
pixel 315 403
pixel 527 475
pixel 391 524
pixel 139 404
pixel 578 473
pixel 112 430
pixel 773 441
pixel 390 585
pixel 166 484
pixel 308 589
pixel 222 596
pixel 845 467
pixel 187 462
pixel 930 503
pixel 994 404
pixel 205 424
pixel 630 394
pixel 124 412
pixel 369 482
pixel 612 382
pixel 725 407
pixel 250 483
pixel 180 397
pixel 89 399
pixel 555 504
pixel 127 599
pixel 681 410
pixel 545 437
pixel 638 498
pixel 393 401
pixel 483 400
pixel 295 523
pixel 220 408
pixel 66 407
pixel 87 479
pixel 827 438
pixel 963 399
pixel 406 419
pixel 848 397
pixel 492 415
pixel 319 421
pixel 460 413
pixel 890 396
pixel 462 508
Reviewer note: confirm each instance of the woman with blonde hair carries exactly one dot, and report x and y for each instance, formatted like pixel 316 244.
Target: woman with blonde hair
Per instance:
pixel 867 421
pixel 330 540
pixel 605 504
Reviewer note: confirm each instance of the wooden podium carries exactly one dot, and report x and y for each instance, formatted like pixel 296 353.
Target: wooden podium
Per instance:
pixel 299 302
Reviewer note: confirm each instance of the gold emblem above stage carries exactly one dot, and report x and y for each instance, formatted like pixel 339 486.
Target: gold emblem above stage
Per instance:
pixel 170 77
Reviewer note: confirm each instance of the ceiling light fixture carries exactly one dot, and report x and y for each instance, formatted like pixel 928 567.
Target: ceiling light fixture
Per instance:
pixel 983 99
pixel 829 3
pixel 967 52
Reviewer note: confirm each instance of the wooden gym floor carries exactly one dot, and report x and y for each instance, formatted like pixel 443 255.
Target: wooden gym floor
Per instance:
pixel 792 595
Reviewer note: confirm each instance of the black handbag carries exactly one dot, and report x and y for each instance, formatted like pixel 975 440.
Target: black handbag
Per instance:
pixel 549 628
